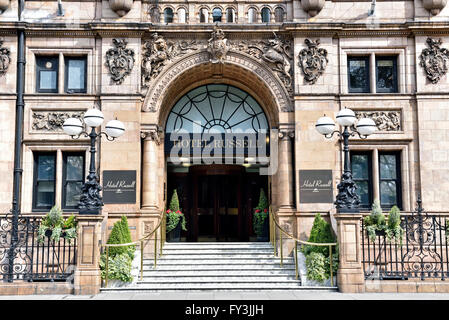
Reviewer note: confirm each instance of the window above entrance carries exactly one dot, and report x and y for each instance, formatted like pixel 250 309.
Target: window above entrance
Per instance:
pixel 217 108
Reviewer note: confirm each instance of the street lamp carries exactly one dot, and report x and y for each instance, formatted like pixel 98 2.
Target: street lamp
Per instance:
pixel 90 200
pixel 347 199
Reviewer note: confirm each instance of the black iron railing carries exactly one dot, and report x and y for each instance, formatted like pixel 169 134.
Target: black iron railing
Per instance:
pixel 25 258
pixel 423 252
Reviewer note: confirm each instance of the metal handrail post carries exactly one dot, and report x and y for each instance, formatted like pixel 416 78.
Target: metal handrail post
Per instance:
pixel 107 267
pixel 296 259
pixel 141 260
pixel 281 248
pixel 330 262
pixel 155 249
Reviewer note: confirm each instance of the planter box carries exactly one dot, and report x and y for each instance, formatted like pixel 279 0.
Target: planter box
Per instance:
pixel 175 234
pixel 265 234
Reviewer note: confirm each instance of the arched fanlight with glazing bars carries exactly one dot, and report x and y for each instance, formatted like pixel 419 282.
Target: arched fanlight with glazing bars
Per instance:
pixel 217 108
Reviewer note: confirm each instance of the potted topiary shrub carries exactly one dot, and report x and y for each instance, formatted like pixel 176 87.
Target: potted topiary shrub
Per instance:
pixel 260 218
pixel 120 262
pixel 314 261
pixel 175 220
pixel 54 226
pixel 376 225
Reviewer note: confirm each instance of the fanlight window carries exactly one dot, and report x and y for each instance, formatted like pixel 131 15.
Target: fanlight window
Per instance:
pixel 168 15
pixel 216 15
pixel 251 15
pixel 217 108
pixel 182 15
pixel 230 15
pixel 266 15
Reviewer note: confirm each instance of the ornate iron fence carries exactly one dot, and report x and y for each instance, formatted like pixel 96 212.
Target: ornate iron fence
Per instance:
pixel 422 254
pixel 22 257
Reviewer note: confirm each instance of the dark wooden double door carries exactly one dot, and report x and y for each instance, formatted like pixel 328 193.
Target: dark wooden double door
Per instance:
pixel 218 201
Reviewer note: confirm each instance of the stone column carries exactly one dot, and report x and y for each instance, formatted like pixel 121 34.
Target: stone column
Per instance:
pixel 87 278
pixel 285 176
pixel 150 183
pixel 350 277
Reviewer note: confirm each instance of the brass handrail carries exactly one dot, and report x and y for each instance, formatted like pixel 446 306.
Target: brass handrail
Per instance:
pixel 274 224
pixel 161 225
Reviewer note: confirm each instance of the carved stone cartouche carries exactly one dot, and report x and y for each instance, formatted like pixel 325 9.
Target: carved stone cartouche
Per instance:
pixel 313 61
pixel 119 60
pixel 121 7
pixel 434 60
pixel 52 120
pixel 5 58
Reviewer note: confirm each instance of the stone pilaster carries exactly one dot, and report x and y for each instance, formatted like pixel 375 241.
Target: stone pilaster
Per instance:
pixel 87 278
pixel 285 175
pixel 350 276
pixel 150 182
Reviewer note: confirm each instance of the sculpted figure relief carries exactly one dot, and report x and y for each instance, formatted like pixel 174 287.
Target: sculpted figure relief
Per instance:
pixel 217 46
pixel 276 52
pixel 434 60
pixel 157 52
pixel 385 120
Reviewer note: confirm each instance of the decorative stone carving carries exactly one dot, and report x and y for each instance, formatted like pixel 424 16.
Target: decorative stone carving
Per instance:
pixel 217 46
pixel 52 120
pixel 313 61
pixel 4 5
pixel 312 7
pixel 434 60
pixel 120 60
pixel 157 52
pixel 385 120
pixel 5 58
pixel 434 6
pixel 152 133
pixel 347 197
pixel 121 7
pixel 276 52
pixel 153 100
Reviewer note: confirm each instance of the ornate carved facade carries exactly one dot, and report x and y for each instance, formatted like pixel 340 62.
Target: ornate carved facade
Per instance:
pixel 52 121
pixel 434 60
pixel 120 60
pixel 5 58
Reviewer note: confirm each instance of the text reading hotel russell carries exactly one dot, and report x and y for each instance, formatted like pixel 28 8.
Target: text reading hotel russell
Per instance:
pixel 218 100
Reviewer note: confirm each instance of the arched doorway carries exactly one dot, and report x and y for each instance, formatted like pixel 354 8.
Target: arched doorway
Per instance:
pixel 217 198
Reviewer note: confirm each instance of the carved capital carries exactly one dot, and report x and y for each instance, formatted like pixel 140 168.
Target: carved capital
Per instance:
pixel 119 60
pixel 151 133
pixel 286 132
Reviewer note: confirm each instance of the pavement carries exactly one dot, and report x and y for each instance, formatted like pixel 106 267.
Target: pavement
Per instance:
pixel 238 295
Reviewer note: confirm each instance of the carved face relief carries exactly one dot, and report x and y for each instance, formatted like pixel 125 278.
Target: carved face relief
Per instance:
pixel 434 60
pixel 120 60
pixel 313 61
pixel 5 59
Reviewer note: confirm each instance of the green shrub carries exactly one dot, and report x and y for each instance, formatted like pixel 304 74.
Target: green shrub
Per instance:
pixel 316 269
pixel 59 227
pixel 119 267
pixel 126 236
pixel 394 229
pixel 120 234
pixel 321 232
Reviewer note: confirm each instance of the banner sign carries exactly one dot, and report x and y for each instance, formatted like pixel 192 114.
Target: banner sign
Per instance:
pixel 315 186
pixel 119 186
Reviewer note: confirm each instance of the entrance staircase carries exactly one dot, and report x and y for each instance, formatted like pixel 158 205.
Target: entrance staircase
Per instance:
pixel 225 266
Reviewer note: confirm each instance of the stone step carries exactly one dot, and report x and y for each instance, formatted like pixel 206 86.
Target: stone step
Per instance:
pixel 219 279
pixel 218 272
pixel 189 251
pixel 184 262
pixel 218 267
pixel 215 256
pixel 228 288
pixel 217 245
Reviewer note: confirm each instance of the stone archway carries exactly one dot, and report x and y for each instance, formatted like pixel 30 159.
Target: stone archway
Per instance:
pixel 194 70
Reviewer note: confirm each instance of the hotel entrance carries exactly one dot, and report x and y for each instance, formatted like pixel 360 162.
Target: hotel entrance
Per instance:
pixel 218 200
pixel 208 126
